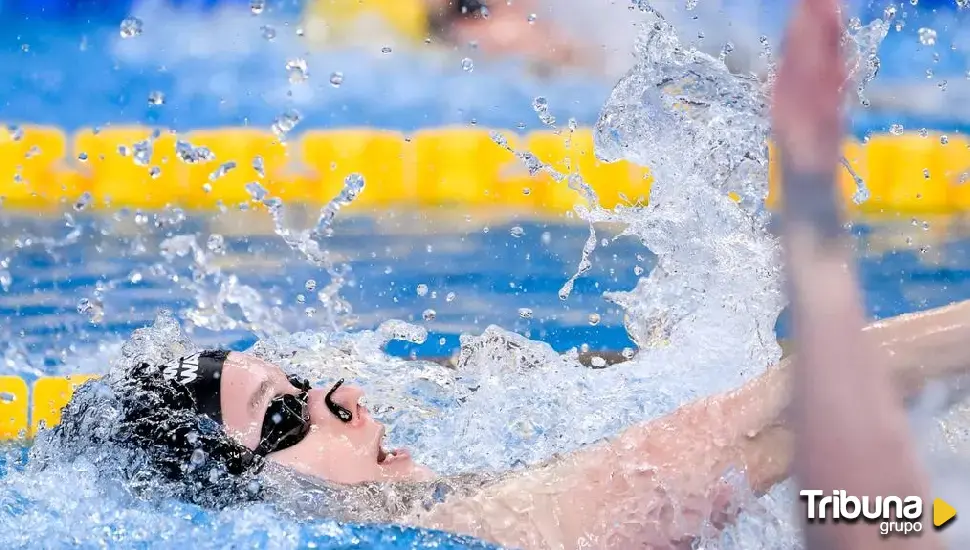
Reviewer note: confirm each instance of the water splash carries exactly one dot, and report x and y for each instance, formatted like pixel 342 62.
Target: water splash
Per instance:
pixel 510 401
pixel 308 244
pixel 222 302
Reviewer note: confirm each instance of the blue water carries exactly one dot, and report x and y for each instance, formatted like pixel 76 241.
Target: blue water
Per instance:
pixel 491 273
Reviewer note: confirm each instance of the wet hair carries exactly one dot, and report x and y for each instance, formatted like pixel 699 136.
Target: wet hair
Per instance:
pixel 172 450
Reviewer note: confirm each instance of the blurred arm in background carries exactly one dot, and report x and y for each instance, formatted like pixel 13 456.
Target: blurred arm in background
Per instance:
pixel 851 430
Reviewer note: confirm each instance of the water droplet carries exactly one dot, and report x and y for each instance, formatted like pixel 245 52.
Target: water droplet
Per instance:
pixel 896 129
pixel 300 299
pixel 192 437
pixel 450 297
pixel 91 309
pixel 141 152
pixel 285 123
pixel 310 285
pixel 135 277
pixel 944 139
pixel 198 457
pixel 336 79
pixel 216 243
pixel 467 65
pixel 156 99
pixel 923 132
pixel 517 232
pixel 222 170
pixel 257 6
pixel 525 313
pixel 422 290
pixel 131 27
pixel 532 18
pixel 541 106
pixel 16 132
pixel 310 311
pixel 154 172
pixel 597 362
pixel 926 173
pixel 189 154
pixel 297 70
pixel 82 157
pixel 927 36
pixel 628 353
pixel 386 49
pixel 594 319
pixel 83 201
pixel 429 315
pixel 256 191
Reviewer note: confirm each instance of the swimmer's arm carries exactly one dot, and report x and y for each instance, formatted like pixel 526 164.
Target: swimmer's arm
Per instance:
pixel 659 481
pixel 850 424
pixel 655 486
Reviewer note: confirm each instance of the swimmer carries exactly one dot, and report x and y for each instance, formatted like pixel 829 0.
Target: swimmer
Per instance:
pixel 227 427
pixel 852 431
pixel 502 28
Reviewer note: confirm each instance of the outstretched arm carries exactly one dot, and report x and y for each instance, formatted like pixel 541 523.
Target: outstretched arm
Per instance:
pixel 850 424
pixel 657 484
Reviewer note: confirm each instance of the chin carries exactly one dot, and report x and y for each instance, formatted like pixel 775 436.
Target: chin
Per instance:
pixel 406 469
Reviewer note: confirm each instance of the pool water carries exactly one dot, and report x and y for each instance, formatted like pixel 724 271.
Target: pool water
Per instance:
pixel 452 273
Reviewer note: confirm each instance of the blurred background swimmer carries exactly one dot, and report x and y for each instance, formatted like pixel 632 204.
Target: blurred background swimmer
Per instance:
pixel 592 36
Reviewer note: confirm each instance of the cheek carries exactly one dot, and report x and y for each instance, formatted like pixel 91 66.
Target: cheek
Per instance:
pixel 359 435
pixel 330 456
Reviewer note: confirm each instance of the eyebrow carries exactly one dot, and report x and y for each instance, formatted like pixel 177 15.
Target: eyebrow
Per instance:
pixel 257 399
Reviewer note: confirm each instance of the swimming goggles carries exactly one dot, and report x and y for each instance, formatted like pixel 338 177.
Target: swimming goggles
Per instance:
pixel 287 419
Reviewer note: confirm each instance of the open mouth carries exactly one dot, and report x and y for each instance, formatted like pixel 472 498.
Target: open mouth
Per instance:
pixel 385 457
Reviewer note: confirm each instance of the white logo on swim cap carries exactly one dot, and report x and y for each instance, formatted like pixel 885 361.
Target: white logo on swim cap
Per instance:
pixel 185 373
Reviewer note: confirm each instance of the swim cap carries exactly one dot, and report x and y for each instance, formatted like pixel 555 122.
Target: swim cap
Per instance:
pixel 200 374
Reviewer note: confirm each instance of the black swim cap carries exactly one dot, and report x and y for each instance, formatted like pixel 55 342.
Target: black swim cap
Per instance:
pixel 200 374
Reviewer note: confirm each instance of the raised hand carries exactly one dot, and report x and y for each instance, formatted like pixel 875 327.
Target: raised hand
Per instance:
pixel 808 93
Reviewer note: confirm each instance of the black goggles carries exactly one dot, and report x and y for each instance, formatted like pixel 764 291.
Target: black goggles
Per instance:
pixel 287 419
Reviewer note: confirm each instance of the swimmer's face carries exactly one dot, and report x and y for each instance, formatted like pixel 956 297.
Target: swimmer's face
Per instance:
pixel 342 452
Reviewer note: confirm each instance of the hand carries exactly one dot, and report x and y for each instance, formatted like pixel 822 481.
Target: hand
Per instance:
pixel 808 92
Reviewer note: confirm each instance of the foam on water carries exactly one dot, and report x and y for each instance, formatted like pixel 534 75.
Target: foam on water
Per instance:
pixel 703 319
